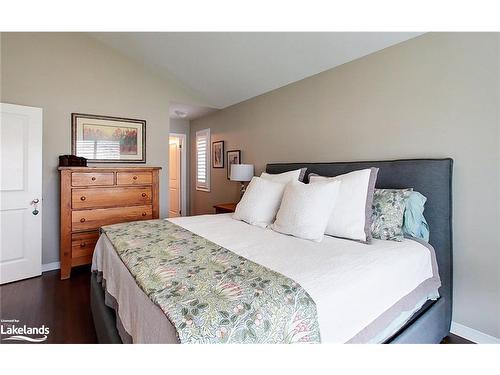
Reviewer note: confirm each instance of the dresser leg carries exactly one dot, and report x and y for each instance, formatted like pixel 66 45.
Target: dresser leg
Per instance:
pixel 65 271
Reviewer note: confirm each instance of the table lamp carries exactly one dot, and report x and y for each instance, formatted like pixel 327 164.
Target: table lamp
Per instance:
pixel 241 173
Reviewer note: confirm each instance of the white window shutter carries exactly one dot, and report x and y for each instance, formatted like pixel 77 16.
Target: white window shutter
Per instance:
pixel 203 160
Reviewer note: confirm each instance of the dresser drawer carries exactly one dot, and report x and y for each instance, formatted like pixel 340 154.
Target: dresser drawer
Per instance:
pixel 134 178
pixel 110 197
pixel 92 179
pixel 82 244
pixel 94 219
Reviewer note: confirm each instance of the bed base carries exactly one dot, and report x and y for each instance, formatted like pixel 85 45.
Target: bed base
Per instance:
pixel 104 316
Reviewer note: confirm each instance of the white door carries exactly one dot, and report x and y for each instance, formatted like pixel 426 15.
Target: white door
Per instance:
pixel 174 176
pixel 20 187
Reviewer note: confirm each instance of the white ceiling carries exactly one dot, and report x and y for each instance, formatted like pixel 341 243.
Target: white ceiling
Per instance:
pixel 227 68
pixel 188 111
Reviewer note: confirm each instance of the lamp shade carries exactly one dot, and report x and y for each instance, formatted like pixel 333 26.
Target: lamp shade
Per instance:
pixel 241 172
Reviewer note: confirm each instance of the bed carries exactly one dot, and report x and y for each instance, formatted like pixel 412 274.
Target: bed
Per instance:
pixel 384 292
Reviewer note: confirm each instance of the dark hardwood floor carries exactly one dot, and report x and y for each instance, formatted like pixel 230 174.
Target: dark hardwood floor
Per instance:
pixel 64 307
pixel 454 339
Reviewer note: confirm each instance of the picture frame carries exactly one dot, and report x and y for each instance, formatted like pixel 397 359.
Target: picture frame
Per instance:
pixel 107 139
pixel 233 157
pixel 218 154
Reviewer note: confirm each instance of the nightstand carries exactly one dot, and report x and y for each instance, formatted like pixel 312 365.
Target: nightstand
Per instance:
pixel 225 208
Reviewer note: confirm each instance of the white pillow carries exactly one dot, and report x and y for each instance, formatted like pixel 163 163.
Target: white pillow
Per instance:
pixel 259 204
pixel 285 177
pixel 351 214
pixel 305 209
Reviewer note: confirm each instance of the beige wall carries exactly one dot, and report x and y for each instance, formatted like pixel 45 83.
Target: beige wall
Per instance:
pixel 433 96
pixel 71 72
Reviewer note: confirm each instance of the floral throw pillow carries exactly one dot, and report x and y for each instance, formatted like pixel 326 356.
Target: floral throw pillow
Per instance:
pixel 388 213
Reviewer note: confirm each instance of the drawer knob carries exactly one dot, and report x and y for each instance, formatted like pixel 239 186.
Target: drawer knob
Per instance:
pixel 82 220
pixel 82 244
pixel 82 198
pixel 144 195
pixel 143 214
pixel 93 178
pixel 135 177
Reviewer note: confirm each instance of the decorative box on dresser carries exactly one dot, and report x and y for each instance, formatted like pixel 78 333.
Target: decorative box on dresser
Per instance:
pixel 92 197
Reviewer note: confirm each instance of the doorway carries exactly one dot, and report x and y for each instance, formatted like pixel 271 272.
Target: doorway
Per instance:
pixel 177 176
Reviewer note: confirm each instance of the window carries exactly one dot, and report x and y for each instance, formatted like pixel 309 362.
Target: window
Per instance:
pixel 203 160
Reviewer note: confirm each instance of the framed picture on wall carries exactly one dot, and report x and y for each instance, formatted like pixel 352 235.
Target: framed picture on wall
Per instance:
pixel 105 139
pixel 233 157
pixel 218 154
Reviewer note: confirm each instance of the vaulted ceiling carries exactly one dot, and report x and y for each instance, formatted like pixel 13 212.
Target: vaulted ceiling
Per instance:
pixel 228 68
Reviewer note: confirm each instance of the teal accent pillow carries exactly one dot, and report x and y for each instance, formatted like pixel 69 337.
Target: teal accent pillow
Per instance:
pixel 414 224
pixel 388 213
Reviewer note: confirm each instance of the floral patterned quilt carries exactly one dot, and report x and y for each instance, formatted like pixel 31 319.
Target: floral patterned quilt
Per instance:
pixel 210 294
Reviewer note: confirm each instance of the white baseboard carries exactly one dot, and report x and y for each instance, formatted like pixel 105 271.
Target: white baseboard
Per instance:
pixel 51 266
pixel 473 335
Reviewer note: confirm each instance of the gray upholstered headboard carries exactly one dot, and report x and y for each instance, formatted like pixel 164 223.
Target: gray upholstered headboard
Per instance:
pixel 431 177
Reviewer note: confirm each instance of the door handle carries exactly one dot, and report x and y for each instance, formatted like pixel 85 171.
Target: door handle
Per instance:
pixel 34 203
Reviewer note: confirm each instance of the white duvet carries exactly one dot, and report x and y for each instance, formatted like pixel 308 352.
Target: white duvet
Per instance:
pixel 351 283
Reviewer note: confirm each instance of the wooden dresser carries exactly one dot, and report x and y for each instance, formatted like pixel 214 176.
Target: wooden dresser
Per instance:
pixel 92 197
